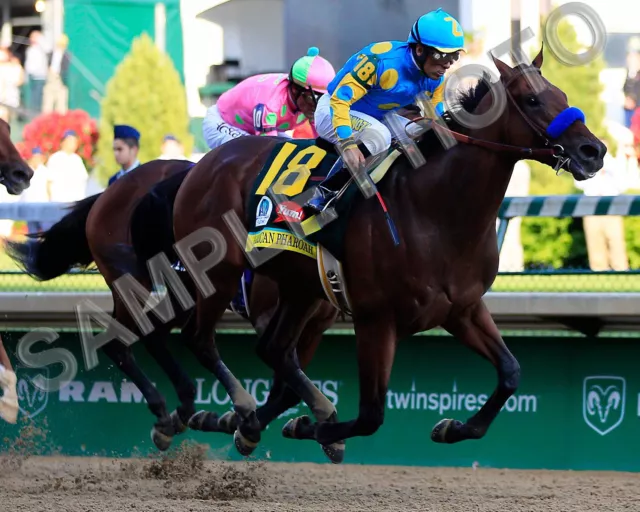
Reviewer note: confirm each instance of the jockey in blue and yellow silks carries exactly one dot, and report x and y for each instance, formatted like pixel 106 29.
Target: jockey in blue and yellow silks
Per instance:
pixel 379 79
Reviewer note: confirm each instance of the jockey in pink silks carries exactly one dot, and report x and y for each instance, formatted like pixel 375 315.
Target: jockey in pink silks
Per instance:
pixel 269 104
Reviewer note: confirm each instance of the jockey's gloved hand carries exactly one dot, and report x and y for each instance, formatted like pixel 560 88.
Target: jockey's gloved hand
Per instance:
pixel 353 158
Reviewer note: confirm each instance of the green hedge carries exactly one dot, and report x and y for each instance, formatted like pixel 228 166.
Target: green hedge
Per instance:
pixel 146 93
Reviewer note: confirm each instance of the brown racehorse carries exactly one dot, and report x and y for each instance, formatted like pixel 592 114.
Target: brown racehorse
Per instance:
pixel 15 173
pixel 151 232
pixel 445 214
pixel 98 230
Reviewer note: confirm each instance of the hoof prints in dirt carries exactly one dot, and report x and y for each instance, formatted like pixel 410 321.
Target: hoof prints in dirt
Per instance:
pixel 185 476
pixel 227 483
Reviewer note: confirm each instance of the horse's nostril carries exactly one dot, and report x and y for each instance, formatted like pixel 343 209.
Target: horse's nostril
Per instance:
pixel 20 175
pixel 589 151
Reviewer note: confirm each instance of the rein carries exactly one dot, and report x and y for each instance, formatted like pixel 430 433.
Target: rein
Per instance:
pixel 557 126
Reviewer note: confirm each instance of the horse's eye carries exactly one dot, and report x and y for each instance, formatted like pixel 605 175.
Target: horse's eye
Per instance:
pixel 533 101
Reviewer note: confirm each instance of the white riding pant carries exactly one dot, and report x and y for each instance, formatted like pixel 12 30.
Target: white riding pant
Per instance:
pixel 374 134
pixel 216 131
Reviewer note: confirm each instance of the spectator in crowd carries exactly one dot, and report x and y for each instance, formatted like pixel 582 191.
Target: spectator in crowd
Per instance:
pixel 631 86
pixel 94 186
pixel 56 94
pixel 604 234
pixel 40 189
pixel 11 78
pixel 626 153
pixel 68 175
pixel 512 252
pixel 126 144
pixel 171 149
pixel 635 131
pixel 36 65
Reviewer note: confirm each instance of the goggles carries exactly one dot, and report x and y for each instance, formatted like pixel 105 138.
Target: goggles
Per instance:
pixel 445 57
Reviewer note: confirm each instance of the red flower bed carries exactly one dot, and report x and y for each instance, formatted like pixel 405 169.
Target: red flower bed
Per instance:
pixel 46 130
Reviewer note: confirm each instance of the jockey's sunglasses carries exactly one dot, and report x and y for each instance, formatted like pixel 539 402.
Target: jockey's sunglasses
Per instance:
pixel 309 92
pixel 445 57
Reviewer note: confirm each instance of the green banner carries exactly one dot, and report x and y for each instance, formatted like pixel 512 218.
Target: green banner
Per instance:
pixel 578 406
pixel 100 36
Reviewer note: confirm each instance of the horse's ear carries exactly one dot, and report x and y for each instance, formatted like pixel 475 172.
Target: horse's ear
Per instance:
pixel 505 70
pixel 537 62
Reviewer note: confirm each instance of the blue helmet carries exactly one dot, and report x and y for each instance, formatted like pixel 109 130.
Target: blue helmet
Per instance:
pixel 439 30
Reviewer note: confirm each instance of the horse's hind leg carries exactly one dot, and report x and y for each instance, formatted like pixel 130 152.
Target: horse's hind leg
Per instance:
pixel 277 348
pixel 476 329
pixel 209 311
pixel 282 397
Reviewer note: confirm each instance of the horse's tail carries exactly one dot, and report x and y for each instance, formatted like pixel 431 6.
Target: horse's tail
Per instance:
pixel 152 222
pixel 64 246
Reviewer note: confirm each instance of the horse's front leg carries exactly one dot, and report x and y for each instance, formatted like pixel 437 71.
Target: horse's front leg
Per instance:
pixel 477 330
pixel 163 430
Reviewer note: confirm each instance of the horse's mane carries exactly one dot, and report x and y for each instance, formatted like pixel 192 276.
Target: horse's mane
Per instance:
pixel 468 100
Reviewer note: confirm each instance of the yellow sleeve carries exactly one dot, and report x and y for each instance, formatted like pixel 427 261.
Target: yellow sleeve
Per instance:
pixel 437 100
pixel 353 86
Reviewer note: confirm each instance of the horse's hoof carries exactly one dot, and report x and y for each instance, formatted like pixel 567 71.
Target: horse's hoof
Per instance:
pixel 160 439
pixel 289 429
pixel 228 422
pixel 204 421
pixel 447 431
pixel 178 425
pixel 299 428
pixel 335 452
pixel 244 446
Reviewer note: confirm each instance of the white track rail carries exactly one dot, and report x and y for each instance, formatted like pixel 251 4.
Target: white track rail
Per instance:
pixel 582 312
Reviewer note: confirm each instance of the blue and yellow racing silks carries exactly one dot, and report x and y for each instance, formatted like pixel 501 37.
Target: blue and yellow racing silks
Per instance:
pixel 380 78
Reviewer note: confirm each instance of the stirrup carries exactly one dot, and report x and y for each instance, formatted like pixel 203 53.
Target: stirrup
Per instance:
pixel 321 199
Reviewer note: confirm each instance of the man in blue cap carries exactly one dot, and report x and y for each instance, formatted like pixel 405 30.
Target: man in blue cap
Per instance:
pixel 126 144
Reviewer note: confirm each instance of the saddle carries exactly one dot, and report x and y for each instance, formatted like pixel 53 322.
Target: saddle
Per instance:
pixel 278 220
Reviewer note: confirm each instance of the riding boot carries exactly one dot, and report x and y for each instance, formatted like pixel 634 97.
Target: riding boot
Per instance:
pixel 328 188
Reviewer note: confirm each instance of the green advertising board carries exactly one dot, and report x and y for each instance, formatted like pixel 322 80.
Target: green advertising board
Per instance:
pixel 578 406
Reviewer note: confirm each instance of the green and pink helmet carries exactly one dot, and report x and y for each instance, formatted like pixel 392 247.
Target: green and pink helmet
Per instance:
pixel 312 72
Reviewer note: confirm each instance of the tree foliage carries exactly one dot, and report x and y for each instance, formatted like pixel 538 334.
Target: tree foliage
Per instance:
pixel 145 92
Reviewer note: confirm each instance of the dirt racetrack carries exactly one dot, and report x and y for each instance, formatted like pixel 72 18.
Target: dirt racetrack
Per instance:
pixel 185 482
